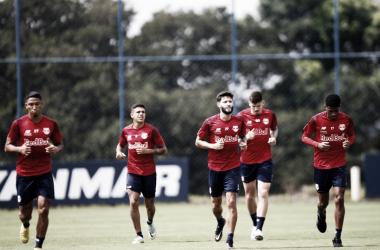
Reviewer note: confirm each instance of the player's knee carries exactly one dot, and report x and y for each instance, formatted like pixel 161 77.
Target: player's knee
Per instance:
pixel 339 200
pixel 25 217
pixel 43 211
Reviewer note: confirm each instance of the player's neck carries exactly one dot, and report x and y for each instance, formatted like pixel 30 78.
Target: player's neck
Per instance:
pixel 138 125
pixel 256 114
pixel 35 119
pixel 225 117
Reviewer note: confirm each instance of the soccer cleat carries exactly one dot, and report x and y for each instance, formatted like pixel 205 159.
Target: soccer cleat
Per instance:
pixel 151 231
pixel 321 222
pixel 337 242
pixel 138 240
pixel 258 235
pixel 253 233
pixel 219 231
pixel 37 248
pixel 24 234
pixel 230 244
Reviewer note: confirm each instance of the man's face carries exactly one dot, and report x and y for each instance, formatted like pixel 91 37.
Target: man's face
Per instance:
pixel 226 105
pixel 34 106
pixel 138 114
pixel 332 112
pixel 257 108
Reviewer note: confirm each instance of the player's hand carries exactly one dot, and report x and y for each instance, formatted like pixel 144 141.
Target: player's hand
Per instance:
pixel 272 141
pixel 219 144
pixel 141 150
pixel 346 144
pixel 120 155
pixel 243 146
pixel 51 149
pixel 25 150
pixel 250 135
pixel 324 146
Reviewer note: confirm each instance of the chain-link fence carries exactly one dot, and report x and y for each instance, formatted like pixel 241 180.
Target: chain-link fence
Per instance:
pixel 179 63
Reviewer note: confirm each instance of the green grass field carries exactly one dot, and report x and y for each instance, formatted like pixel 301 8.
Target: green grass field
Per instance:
pixel 191 226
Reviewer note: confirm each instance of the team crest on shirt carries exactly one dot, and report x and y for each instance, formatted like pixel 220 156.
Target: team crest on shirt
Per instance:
pixel 129 138
pixel 27 133
pixel 144 135
pixel 342 127
pixel 235 128
pixel 46 131
pixel 249 123
pixel 265 121
pixel 218 131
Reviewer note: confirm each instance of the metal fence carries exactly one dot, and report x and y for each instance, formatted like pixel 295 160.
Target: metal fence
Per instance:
pixel 89 78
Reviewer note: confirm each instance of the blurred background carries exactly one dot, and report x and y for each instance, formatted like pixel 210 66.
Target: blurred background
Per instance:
pixel 179 59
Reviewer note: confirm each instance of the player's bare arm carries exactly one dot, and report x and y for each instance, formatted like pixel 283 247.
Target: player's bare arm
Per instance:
pixel 205 145
pixel 273 137
pixel 120 152
pixel 55 148
pixel 156 151
pixel 10 147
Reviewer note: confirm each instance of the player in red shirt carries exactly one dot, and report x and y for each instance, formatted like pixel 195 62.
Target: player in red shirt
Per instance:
pixel 141 139
pixel 334 134
pixel 223 131
pixel 256 161
pixel 34 137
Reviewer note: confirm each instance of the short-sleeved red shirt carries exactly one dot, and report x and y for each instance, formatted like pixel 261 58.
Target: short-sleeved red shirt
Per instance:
pixel 230 131
pixel 258 149
pixel 36 136
pixel 146 136
pixel 334 132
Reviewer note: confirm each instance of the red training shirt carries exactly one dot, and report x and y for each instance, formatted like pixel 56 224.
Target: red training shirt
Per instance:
pixel 230 131
pixel 36 136
pixel 332 131
pixel 146 136
pixel 258 149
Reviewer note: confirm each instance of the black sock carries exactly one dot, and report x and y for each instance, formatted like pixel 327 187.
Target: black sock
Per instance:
pixel 230 237
pixel 149 222
pixel 260 223
pixel 338 232
pixel 140 234
pixel 26 224
pixel 254 219
pixel 39 241
pixel 322 215
pixel 221 221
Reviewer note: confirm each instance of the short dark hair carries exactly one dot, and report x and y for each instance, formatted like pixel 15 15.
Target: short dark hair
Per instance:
pixel 34 94
pixel 137 105
pixel 255 97
pixel 224 93
pixel 333 100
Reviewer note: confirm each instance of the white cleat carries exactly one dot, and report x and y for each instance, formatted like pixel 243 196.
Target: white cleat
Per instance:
pixel 138 240
pixel 253 233
pixel 24 234
pixel 151 231
pixel 259 235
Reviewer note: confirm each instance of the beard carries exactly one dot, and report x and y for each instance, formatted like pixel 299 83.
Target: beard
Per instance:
pixel 227 112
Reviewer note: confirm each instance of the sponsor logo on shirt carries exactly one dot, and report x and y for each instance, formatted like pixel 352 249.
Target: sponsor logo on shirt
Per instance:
pixel 249 123
pixel 36 142
pixel 259 131
pixel 27 133
pixel 332 137
pixel 323 128
pixel 228 138
pixel 129 138
pixel 257 120
pixel 235 128
pixel 218 131
pixel 144 135
pixel 137 144
pixel 265 121
pixel 46 131
pixel 342 127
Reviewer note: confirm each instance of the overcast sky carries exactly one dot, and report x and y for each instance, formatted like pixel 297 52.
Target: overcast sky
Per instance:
pixel 146 8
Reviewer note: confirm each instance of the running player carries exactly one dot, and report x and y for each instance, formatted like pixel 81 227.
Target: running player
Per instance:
pixel 141 139
pixel 223 131
pixel 256 161
pixel 34 137
pixel 334 134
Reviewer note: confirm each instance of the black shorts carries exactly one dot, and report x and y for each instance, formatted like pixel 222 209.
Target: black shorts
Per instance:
pixel 220 181
pixel 326 178
pixel 262 171
pixel 142 184
pixel 30 187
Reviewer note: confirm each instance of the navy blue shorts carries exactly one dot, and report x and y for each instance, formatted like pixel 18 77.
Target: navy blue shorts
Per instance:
pixel 262 171
pixel 142 184
pixel 326 178
pixel 30 187
pixel 220 181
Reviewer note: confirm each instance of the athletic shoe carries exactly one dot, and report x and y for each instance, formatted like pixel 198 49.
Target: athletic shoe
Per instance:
pixel 337 242
pixel 253 233
pixel 230 244
pixel 138 240
pixel 37 248
pixel 219 231
pixel 258 235
pixel 24 234
pixel 151 231
pixel 321 222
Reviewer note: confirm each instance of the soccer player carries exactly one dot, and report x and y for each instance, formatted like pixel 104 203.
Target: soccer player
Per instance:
pixel 223 131
pixel 141 139
pixel 34 137
pixel 334 134
pixel 256 161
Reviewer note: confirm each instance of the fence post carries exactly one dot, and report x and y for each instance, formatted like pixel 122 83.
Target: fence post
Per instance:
pixel 355 183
